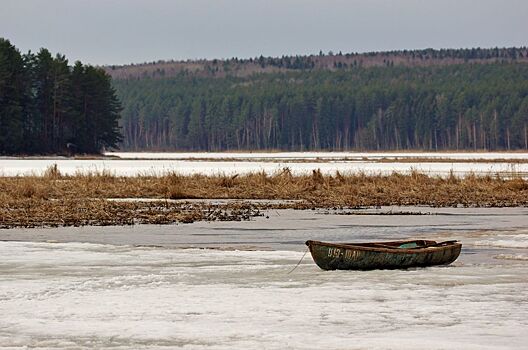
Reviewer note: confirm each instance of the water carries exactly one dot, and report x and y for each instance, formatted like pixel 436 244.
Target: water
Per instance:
pixel 132 164
pixel 111 288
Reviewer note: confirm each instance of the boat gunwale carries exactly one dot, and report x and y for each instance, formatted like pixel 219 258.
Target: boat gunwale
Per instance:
pixel 395 250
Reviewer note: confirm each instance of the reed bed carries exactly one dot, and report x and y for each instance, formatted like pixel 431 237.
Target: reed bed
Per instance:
pixel 57 200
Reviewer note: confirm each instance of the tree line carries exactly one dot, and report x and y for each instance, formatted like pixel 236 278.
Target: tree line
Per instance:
pixel 243 67
pixel 50 107
pixel 459 106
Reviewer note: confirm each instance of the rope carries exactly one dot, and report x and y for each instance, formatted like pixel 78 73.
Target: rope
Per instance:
pixel 299 261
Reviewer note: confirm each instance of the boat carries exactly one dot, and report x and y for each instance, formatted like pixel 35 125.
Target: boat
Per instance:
pixel 383 255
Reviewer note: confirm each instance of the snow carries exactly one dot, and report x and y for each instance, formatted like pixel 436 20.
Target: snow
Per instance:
pixel 320 155
pixel 505 241
pixel 82 295
pixel 98 289
pixel 188 166
pixel 521 257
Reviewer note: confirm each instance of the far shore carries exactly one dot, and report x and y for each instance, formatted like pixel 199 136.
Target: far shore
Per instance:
pixel 276 156
pixel 59 157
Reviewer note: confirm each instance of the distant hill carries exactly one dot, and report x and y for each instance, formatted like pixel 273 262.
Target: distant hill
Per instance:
pixel 331 61
pixel 464 99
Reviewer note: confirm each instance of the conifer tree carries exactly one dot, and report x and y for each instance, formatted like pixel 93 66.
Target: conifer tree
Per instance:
pixel 46 106
pixel 13 95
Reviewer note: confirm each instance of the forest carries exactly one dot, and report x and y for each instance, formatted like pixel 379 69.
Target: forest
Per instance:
pixel 467 99
pixel 460 106
pixel 243 67
pixel 50 107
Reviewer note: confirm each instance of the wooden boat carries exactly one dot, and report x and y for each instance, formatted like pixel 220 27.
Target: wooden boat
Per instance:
pixel 383 255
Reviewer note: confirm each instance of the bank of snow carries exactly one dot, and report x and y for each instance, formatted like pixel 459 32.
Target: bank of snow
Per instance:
pixel 135 167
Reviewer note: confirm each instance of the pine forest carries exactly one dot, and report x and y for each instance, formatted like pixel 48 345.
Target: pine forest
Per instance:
pixel 454 100
pixel 50 107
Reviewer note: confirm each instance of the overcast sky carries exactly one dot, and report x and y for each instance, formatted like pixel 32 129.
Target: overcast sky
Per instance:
pixel 125 31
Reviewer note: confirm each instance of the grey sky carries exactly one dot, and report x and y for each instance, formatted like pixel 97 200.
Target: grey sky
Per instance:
pixel 125 31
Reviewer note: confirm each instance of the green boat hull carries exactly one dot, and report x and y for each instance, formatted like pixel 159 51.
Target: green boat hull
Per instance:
pixel 383 255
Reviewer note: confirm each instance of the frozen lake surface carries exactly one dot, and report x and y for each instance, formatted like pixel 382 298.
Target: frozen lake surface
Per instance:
pixel 321 155
pixel 134 287
pixel 131 164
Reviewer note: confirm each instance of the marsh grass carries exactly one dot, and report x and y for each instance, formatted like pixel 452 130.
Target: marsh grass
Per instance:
pixel 61 200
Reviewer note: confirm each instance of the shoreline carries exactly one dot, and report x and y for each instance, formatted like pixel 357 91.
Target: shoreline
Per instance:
pixel 389 156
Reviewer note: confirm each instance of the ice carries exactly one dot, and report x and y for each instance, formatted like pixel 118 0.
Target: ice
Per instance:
pixel 320 155
pixel 83 295
pixel 275 164
pixel 288 229
pixel 522 257
pixel 96 289
pixel 505 241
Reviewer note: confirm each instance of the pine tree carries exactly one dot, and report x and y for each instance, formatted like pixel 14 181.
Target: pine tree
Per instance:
pixel 13 94
pixel 46 106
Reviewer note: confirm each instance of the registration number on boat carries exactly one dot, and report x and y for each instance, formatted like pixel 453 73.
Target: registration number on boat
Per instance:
pixel 334 252
pixel 348 254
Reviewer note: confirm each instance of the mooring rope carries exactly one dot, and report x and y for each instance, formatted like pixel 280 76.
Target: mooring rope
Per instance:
pixel 299 261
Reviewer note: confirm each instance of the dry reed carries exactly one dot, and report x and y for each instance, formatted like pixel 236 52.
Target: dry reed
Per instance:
pixel 59 200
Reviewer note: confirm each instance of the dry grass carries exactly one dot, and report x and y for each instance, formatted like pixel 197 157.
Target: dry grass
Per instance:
pixel 54 199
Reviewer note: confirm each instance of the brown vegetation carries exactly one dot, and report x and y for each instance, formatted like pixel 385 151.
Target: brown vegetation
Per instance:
pixel 57 200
